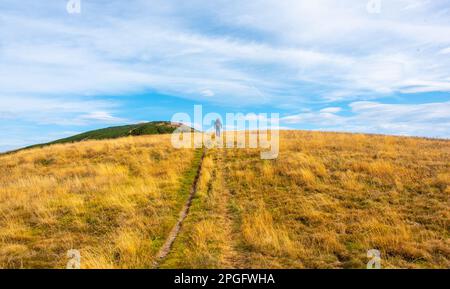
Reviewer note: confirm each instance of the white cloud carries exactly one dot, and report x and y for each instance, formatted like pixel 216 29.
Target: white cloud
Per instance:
pixel 331 110
pixel 207 92
pixel 57 110
pixel 445 51
pixel 102 116
pixel 416 4
pixel 429 119
pixel 55 68
pixel 339 47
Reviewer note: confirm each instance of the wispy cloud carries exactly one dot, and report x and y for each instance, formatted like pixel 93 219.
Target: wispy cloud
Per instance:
pixel 339 47
pixel 56 110
pixel 65 69
pixel 331 110
pixel 431 119
pixel 102 116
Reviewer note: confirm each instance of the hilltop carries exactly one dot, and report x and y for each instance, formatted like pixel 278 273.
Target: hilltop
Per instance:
pixel 148 128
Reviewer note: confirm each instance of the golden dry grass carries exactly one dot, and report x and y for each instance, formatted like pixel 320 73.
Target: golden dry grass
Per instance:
pixel 115 201
pixel 326 201
pixel 330 197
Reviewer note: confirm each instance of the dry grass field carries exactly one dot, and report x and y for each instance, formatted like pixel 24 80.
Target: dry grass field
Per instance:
pixel 114 200
pixel 326 201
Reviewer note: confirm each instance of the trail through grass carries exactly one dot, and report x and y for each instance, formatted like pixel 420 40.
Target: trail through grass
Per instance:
pixel 115 201
pixel 326 201
pixel 193 179
pixel 205 240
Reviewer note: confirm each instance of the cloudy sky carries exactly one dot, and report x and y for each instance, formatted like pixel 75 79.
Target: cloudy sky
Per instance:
pixel 323 64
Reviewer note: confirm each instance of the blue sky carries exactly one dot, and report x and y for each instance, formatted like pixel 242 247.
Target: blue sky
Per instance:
pixel 323 64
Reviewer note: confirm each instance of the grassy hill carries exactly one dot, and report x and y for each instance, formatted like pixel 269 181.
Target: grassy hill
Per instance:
pixel 115 200
pixel 326 201
pixel 149 128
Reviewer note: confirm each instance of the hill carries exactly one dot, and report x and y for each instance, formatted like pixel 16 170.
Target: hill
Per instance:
pixel 149 128
pixel 326 201
pixel 115 200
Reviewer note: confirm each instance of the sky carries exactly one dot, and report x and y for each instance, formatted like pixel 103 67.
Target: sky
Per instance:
pixel 370 66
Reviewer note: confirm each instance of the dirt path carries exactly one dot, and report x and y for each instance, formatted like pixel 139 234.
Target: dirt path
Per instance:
pixel 231 256
pixel 213 212
pixel 165 249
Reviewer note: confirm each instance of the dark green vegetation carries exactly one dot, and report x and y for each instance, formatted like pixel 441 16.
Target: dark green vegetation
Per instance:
pixel 148 128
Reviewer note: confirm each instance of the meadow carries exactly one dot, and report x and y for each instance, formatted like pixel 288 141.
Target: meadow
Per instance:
pixel 114 201
pixel 323 203
pixel 326 201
